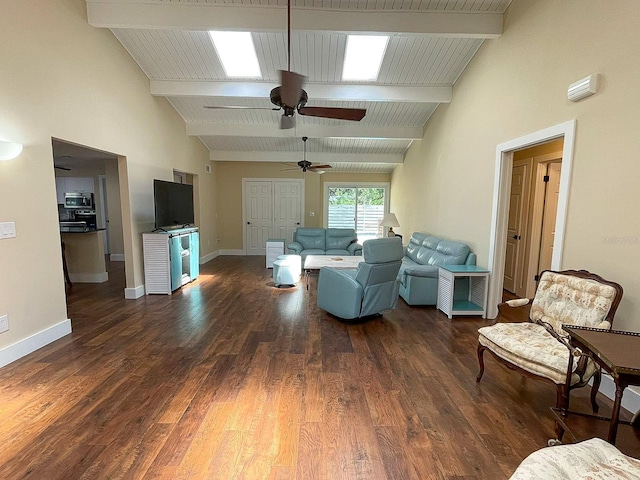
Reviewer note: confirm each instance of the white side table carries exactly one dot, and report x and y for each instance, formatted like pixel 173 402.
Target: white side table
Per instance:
pixel 275 248
pixel 475 303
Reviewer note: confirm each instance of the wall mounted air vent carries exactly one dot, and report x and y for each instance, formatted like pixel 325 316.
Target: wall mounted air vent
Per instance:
pixel 583 88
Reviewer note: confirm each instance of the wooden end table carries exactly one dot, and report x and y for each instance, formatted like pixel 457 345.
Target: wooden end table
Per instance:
pixel 617 353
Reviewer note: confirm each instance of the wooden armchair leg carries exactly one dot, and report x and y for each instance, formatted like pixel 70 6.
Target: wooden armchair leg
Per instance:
pixel 562 399
pixel 481 350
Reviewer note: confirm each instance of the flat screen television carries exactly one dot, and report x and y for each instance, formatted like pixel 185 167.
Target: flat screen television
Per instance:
pixel 173 204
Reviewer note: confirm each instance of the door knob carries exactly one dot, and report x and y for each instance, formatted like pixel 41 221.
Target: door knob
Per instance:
pixel 248 223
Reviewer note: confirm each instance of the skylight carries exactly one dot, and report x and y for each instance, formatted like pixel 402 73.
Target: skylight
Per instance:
pixel 237 53
pixel 363 57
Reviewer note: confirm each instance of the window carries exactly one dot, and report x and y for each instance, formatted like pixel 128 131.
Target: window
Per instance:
pixel 359 206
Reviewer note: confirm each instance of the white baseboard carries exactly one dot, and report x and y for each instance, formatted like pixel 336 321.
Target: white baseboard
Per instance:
pixel 209 257
pixel 630 398
pixel 28 345
pixel 89 277
pixel 133 293
pixel 231 252
pixel 116 257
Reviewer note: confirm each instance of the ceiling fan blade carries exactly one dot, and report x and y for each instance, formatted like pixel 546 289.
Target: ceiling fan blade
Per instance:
pixel 354 114
pixel 320 167
pixel 238 107
pixel 287 122
pixel 62 168
pixel 291 88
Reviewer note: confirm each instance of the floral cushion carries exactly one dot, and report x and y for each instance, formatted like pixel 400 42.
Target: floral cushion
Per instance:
pixel 566 299
pixel 592 459
pixel 532 348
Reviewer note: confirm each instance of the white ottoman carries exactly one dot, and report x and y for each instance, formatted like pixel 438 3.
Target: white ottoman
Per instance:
pixel 287 270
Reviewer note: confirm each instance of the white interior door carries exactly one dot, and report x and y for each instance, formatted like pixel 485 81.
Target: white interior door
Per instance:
pixel 287 209
pixel 552 193
pixel 272 209
pixel 258 213
pixel 516 228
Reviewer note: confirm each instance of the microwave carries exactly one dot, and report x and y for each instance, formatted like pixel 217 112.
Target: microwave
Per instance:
pixel 78 200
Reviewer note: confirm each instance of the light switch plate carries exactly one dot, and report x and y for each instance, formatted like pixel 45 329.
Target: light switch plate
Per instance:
pixel 4 323
pixel 7 229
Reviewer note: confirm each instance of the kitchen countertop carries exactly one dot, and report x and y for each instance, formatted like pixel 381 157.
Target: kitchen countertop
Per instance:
pixel 88 230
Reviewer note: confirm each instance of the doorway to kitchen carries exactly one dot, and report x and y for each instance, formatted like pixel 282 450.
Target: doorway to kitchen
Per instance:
pixel 89 211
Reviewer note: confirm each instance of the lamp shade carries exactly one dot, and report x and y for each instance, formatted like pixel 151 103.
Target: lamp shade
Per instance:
pixel 389 220
pixel 9 150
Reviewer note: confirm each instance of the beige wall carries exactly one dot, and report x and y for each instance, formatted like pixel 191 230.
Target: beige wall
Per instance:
pixel 229 194
pixel 517 85
pixel 65 79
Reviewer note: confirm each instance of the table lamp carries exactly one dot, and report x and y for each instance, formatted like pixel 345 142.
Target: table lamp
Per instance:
pixel 390 220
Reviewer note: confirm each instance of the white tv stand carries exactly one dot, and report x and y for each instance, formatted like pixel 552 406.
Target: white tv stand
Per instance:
pixel 171 259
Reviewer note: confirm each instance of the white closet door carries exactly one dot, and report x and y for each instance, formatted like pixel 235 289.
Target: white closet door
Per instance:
pixel 287 209
pixel 258 210
pixel 272 209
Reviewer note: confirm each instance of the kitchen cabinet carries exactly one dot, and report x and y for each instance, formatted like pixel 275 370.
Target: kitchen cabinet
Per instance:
pixel 73 184
pixel 171 259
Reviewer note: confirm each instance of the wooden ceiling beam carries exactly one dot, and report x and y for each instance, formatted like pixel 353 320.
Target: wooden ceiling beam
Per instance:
pixel 321 91
pixel 115 14
pixel 351 130
pixel 293 157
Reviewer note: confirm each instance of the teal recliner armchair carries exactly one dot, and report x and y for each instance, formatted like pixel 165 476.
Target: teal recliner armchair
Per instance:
pixel 371 288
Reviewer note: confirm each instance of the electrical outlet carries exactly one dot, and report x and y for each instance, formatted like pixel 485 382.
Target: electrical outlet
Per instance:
pixel 312 214
pixel 4 323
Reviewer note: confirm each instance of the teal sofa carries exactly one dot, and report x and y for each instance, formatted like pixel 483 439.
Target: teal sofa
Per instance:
pixel 324 241
pixel 423 255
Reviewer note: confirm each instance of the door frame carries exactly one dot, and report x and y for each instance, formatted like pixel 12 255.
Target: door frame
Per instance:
pixel 500 207
pixel 244 213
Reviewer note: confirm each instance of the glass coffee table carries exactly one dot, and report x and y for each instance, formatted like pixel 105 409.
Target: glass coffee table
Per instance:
pixel 313 263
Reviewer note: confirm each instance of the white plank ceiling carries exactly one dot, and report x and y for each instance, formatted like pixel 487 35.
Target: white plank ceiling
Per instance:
pixel 431 43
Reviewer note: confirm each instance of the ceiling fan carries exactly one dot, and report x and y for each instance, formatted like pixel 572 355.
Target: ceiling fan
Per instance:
pixel 307 166
pixel 291 98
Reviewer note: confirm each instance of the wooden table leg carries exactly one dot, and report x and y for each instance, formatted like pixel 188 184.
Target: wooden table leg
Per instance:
pixel 615 413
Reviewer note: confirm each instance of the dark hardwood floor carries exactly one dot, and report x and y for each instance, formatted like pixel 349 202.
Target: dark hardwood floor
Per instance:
pixel 232 378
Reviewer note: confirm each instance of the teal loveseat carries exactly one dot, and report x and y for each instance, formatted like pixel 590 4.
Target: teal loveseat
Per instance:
pixel 324 241
pixel 423 255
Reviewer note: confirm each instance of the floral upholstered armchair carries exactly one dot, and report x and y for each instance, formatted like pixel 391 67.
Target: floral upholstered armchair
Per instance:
pixel 592 459
pixel 540 348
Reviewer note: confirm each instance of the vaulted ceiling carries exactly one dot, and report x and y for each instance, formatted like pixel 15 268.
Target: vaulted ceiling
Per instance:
pixel 431 43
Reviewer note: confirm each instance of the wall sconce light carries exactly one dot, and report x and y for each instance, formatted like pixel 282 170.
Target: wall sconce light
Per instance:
pixel 390 220
pixel 9 150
